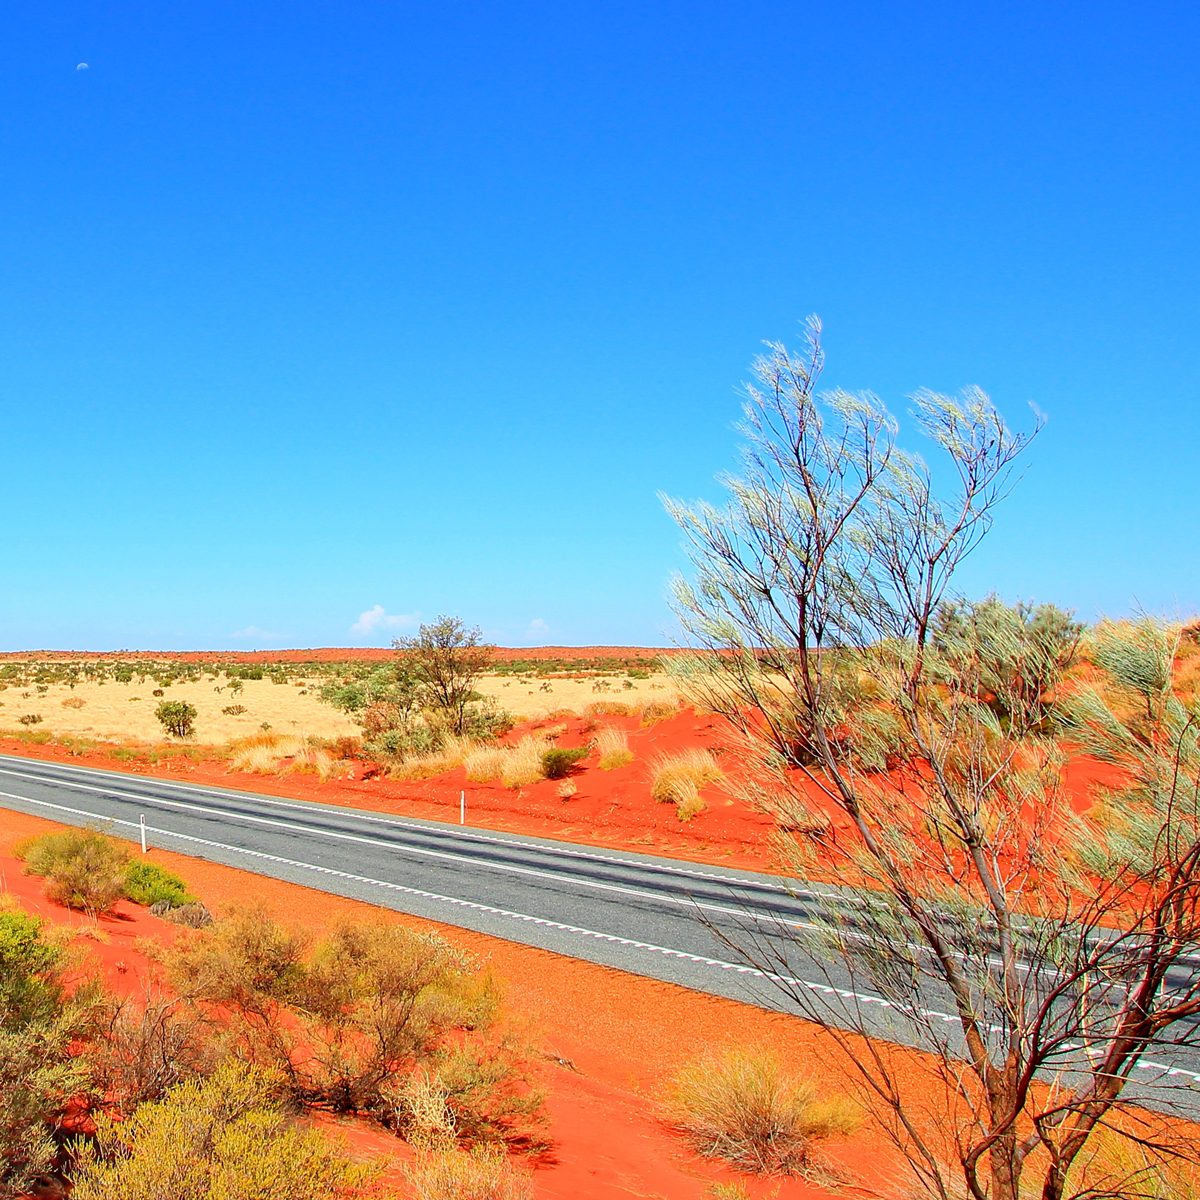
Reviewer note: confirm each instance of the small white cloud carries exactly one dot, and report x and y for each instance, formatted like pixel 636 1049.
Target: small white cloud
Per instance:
pixel 537 627
pixel 376 620
pixel 253 631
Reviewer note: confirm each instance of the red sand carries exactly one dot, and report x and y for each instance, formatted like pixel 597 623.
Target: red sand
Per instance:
pixel 619 1036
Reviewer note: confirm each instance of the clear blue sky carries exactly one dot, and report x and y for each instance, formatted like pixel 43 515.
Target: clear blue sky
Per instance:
pixel 313 308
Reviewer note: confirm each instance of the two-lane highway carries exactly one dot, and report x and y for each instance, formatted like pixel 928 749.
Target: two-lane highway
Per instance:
pixel 657 917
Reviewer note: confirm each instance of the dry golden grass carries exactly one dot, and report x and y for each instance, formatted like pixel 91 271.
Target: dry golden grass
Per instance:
pixel 460 1175
pixel 566 790
pixel 486 764
pixel 612 744
pixel 523 764
pixel 658 710
pixel 310 761
pixel 742 1107
pixel 454 753
pixel 677 777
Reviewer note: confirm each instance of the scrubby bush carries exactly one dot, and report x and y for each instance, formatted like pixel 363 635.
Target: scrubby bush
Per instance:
pixel 30 985
pixel 215 1139
pixel 612 745
pixel 177 717
pixel 340 1021
pixel 82 868
pixel 742 1107
pixel 523 764
pixel 558 761
pixel 677 778
pixel 658 710
pixel 234 710
pixel 147 883
pixel 461 1176
pixel 30 719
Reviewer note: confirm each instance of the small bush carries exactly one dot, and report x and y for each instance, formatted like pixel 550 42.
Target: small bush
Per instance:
pixel 453 753
pixel 462 1176
pixel 74 702
pixel 612 744
pixel 677 778
pixel 158 692
pixel 566 791
pixel 30 719
pixel 83 868
pixel 147 883
pixel 743 1108
pixel 557 761
pixel 213 1139
pixel 177 717
pixel 658 710
pixel 234 710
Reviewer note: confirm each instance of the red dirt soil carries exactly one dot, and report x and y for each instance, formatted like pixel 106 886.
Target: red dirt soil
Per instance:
pixel 610 1040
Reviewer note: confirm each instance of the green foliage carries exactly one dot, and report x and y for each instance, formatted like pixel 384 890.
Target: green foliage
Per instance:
pixel 147 883
pixel 446 659
pixel 177 717
pixel 30 988
pixel 558 761
pixel 222 1138
pixel 83 868
pixel 342 1020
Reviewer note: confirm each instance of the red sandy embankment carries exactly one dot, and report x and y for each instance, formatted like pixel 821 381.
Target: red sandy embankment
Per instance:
pixel 610 1040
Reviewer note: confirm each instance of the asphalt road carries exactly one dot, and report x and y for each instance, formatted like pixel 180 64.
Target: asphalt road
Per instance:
pixel 657 917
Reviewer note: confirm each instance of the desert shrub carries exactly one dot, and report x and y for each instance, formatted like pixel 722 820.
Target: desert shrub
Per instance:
pixel 158 692
pixel 566 790
pixel 177 717
pixel 612 745
pixel 234 710
pixel 143 1050
pixel 658 710
pixel 30 719
pixel 689 807
pixel 608 708
pixel 194 914
pixel 74 702
pixel 677 778
pixel 311 761
pixel 485 764
pixel 742 1107
pixel 558 761
pixel 82 868
pixel 30 985
pixel 459 1175
pixel 338 1020
pixel 147 883
pixel 213 1139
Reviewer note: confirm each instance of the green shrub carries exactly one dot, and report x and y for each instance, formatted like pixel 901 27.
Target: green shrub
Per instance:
pixel 234 710
pixel 177 717
pixel 30 989
pixel 83 868
pixel 214 1139
pixel 557 762
pixel 147 883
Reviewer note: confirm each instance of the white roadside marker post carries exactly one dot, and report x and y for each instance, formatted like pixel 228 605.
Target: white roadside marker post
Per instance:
pixel 462 808
pixel 142 819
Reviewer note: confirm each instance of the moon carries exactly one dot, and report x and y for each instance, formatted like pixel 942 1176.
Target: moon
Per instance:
pixel 81 67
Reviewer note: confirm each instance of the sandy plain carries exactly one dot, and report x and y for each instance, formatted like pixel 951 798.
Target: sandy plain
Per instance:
pixel 114 711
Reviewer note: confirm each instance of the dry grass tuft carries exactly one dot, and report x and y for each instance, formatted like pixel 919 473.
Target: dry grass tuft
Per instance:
pixel 741 1107
pixel 609 708
pixel 612 744
pixel 523 764
pixel 485 764
pixel 567 790
pixel 453 753
pixel 462 1176
pixel 658 710
pixel 677 779
pixel 310 761
pixel 690 807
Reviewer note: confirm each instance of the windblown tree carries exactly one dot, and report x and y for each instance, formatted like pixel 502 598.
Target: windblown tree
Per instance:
pixel 912 744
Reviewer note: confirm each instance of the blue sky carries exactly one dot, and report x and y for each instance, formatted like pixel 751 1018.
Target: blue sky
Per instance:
pixel 317 319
